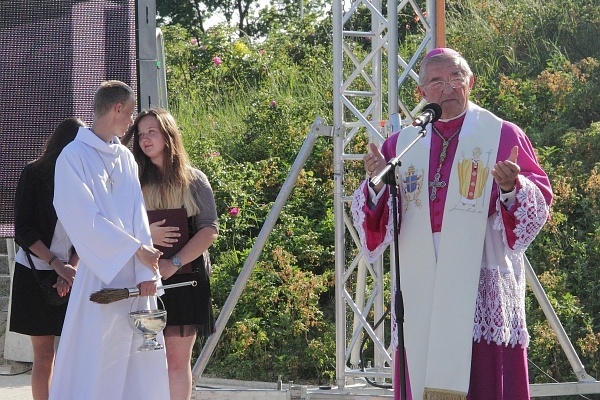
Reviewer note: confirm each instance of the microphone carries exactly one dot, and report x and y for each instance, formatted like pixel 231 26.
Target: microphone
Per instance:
pixel 431 113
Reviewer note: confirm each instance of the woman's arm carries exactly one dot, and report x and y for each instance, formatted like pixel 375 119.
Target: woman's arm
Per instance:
pixel 193 249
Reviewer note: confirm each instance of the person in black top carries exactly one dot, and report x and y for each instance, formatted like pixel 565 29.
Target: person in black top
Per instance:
pixel 39 233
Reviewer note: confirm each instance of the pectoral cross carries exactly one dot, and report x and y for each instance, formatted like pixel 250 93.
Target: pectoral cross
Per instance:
pixel 435 185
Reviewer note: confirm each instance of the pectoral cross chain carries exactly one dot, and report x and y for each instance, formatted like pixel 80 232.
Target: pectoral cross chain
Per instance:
pixel 110 179
pixel 437 183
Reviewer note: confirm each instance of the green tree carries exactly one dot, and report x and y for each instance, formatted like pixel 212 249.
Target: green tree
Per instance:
pixel 188 13
pixel 253 18
pixel 193 14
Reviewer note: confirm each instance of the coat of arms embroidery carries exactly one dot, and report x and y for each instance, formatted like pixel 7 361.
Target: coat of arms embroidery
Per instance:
pixel 412 183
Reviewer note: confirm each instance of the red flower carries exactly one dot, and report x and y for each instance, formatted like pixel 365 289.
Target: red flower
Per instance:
pixel 234 212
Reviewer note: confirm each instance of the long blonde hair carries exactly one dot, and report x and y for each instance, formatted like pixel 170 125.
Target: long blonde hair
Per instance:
pixel 169 187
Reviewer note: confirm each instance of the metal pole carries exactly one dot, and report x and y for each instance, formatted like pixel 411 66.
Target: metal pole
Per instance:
pixel 338 207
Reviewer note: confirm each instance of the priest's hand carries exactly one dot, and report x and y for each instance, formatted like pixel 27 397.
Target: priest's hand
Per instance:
pixel 374 163
pixel 147 288
pixel 505 172
pixel 149 257
pixel 164 236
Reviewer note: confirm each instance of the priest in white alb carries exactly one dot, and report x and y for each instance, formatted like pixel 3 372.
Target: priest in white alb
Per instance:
pixel 463 231
pixel 99 202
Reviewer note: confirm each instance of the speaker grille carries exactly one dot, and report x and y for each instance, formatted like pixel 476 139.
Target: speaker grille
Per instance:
pixel 53 56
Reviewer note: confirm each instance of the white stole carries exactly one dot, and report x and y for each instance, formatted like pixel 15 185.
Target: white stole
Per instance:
pixel 440 295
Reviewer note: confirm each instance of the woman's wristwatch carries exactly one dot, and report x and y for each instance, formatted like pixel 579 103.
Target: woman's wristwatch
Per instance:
pixel 176 261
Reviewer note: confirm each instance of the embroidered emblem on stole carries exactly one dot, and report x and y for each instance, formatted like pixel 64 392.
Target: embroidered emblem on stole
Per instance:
pixel 472 177
pixel 411 187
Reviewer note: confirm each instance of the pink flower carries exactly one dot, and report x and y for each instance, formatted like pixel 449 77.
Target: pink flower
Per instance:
pixel 194 41
pixel 273 104
pixel 234 212
pixel 203 47
pixel 217 60
pixel 215 154
pixel 262 52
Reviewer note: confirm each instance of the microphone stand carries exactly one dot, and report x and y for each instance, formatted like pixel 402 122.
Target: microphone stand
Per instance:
pixel 387 176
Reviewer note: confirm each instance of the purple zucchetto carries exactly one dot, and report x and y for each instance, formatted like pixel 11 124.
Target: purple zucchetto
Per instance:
pixel 442 50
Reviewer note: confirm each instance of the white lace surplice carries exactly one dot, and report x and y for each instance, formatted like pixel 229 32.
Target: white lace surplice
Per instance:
pixel 499 313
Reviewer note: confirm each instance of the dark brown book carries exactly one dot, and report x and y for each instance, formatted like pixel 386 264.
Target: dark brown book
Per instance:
pixel 174 217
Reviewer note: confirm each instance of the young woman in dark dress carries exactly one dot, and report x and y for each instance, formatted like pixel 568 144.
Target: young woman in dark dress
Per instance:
pixel 170 182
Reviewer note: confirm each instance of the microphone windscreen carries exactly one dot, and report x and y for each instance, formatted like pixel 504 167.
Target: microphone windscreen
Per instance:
pixel 435 109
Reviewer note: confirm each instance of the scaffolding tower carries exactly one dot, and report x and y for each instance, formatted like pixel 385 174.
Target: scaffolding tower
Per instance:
pixel 358 109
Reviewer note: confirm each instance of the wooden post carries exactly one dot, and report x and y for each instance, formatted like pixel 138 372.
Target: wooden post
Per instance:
pixel 440 23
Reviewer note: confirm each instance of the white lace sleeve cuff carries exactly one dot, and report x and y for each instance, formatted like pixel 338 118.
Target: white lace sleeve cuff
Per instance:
pixel 531 214
pixel 359 203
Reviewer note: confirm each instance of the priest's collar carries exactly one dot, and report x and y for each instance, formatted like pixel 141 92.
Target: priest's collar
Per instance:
pixel 87 136
pixel 453 118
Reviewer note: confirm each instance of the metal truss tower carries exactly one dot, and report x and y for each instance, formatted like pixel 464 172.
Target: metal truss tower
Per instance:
pixel 358 109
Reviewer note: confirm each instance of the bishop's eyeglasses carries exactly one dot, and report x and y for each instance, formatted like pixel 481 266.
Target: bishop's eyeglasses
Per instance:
pixel 454 83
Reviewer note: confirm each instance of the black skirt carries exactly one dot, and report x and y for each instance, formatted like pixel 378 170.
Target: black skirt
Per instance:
pixel 190 306
pixel 29 314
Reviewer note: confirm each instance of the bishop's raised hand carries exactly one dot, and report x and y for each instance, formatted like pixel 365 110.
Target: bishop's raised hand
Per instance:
pixel 505 172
